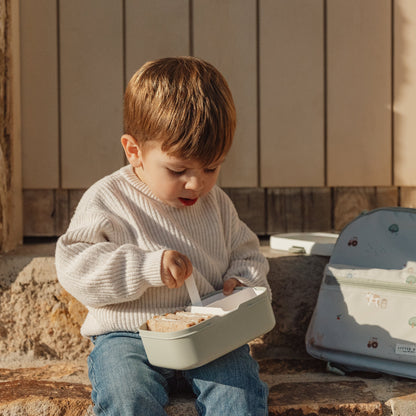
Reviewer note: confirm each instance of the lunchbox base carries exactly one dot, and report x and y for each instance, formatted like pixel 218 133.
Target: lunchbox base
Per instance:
pixel 211 339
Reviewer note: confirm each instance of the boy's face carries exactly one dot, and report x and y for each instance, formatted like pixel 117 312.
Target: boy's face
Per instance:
pixel 175 181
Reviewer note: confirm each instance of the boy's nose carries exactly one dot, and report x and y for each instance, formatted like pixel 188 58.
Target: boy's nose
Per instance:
pixel 195 183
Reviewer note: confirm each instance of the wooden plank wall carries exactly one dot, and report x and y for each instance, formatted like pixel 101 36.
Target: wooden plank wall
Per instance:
pixel 292 138
pixel 404 92
pixel 40 100
pixel 359 89
pixel 11 215
pixel 325 94
pixel 90 42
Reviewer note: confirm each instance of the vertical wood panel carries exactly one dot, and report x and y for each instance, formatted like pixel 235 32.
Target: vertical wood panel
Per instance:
pixel 349 202
pixel 225 35
pixel 299 209
pixel 408 196
pixel 404 92
pixel 155 29
pixel 359 92
pixel 250 204
pixel 46 212
pixel 292 92
pixel 75 196
pixel 11 218
pixel 39 99
pixel 14 228
pixel 91 56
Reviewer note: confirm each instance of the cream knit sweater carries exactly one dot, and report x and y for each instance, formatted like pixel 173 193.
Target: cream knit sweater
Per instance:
pixel 110 257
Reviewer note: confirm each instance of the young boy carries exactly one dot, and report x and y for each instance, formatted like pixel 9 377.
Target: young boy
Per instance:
pixel 138 233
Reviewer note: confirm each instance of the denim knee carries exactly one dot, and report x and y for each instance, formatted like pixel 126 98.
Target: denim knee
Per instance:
pixel 230 386
pixel 123 381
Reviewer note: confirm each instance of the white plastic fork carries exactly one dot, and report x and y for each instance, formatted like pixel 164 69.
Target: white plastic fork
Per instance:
pixel 196 303
pixel 193 291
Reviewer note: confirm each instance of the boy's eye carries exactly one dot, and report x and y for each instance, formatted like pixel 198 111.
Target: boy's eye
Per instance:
pixel 211 170
pixel 176 172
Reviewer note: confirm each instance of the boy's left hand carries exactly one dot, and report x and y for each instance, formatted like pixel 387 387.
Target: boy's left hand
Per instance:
pixel 230 285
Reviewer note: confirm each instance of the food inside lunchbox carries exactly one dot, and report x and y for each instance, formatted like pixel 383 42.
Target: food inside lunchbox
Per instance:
pixel 171 322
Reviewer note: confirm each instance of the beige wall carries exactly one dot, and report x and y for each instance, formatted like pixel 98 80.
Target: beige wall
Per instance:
pixel 322 99
pixel 325 94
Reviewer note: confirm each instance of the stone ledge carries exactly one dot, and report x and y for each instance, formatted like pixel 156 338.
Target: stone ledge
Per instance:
pixel 38 397
pixel 39 334
pixel 297 388
pixel 39 318
pixel 329 398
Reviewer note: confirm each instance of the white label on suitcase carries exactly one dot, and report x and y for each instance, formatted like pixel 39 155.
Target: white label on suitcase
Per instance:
pixel 403 349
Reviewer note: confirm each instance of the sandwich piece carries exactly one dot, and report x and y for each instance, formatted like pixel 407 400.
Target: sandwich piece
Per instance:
pixel 171 322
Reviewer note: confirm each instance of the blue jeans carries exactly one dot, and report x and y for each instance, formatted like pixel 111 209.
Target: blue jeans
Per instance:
pixel 126 384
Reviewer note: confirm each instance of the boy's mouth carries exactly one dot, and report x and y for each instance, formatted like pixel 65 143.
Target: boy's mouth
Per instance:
pixel 188 202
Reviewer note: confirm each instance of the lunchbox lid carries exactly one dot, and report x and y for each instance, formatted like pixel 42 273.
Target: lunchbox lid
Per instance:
pixel 320 244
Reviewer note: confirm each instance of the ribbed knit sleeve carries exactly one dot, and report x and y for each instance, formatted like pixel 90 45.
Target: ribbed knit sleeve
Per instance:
pixel 98 262
pixel 246 264
pixel 103 273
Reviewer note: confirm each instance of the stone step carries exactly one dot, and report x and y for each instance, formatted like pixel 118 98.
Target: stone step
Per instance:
pixel 39 318
pixel 297 387
pixel 43 357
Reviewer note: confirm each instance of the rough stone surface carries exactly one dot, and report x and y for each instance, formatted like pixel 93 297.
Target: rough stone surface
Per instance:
pixel 37 316
pixel 60 388
pixel 181 406
pixel 403 406
pixel 33 397
pixel 330 398
pixel 43 368
pixel 295 282
pixel 403 399
pixel 297 387
pixel 57 371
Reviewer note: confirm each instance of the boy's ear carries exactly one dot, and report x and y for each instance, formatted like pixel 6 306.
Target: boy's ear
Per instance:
pixel 132 150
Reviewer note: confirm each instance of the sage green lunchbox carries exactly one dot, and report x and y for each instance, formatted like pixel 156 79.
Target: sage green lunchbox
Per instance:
pixel 244 315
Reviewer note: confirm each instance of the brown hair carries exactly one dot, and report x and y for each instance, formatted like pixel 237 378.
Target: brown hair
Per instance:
pixel 185 103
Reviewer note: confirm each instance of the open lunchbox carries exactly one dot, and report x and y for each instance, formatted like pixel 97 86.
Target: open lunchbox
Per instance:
pixel 238 318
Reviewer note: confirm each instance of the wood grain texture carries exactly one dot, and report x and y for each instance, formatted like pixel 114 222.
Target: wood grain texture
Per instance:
pixel 39 98
pixel 250 204
pixel 299 210
pixel 404 92
pixel 359 142
pixel 91 57
pixel 349 202
pixel 292 93
pixel 408 196
pixel 11 220
pixel 224 33
pixel 155 29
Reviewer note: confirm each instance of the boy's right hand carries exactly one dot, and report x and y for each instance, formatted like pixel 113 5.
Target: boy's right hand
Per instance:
pixel 176 268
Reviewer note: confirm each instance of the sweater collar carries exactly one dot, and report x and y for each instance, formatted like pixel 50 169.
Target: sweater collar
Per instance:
pixel 128 173
pixel 131 177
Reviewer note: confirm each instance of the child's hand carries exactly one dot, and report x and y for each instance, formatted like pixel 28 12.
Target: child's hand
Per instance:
pixel 176 268
pixel 230 285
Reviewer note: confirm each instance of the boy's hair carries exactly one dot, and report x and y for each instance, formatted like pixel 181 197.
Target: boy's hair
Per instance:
pixel 183 102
